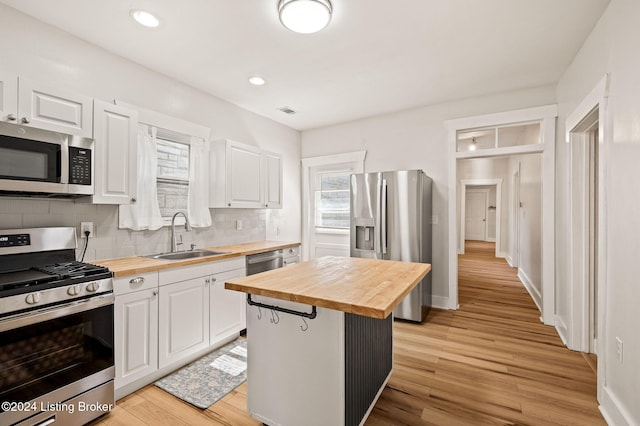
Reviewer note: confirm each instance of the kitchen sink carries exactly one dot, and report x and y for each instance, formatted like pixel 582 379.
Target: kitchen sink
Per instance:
pixel 183 255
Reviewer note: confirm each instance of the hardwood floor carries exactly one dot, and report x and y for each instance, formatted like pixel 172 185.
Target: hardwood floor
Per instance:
pixel 489 363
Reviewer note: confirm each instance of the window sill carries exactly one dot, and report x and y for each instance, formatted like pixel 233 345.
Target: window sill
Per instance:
pixel 334 231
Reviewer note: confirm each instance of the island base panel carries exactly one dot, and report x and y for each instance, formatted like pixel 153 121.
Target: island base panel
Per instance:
pixel 368 362
pixel 332 373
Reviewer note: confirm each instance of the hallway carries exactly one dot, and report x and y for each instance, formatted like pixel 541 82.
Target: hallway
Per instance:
pixel 492 362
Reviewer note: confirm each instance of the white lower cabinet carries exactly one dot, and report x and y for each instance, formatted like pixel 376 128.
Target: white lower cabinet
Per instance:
pixel 136 327
pixel 166 319
pixel 184 320
pixel 227 307
pixel 136 334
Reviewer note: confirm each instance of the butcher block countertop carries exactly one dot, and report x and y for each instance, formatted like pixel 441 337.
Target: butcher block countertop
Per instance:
pixel 366 287
pixel 138 265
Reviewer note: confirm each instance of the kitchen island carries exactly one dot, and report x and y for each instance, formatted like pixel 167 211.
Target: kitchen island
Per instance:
pixel 320 343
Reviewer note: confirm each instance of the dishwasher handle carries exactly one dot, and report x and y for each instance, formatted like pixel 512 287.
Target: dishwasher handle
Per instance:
pixel 253 261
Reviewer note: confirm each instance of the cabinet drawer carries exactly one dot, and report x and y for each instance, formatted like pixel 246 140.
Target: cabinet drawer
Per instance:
pixel 168 276
pixel 137 282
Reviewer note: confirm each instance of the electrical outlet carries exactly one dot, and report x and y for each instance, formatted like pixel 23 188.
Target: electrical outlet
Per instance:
pixel 239 225
pixel 619 350
pixel 86 226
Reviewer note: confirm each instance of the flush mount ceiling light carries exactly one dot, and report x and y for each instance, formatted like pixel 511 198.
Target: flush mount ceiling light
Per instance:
pixel 472 147
pixel 145 18
pixel 305 16
pixel 256 80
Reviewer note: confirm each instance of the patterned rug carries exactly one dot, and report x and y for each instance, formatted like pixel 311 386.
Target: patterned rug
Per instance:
pixel 208 379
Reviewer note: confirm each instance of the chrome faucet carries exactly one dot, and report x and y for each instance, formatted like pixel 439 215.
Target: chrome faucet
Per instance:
pixel 187 227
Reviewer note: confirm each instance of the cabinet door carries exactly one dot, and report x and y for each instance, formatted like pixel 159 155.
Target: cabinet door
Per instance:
pixel 8 97
pixel 136 336
pixel 115 154
pixel 273 180
pixel 228 307
pixel 244 176
pixel 183 320
pixel 51 108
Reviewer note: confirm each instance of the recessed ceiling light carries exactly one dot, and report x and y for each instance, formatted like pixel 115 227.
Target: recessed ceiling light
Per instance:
pixel 145 18
pixel 256 80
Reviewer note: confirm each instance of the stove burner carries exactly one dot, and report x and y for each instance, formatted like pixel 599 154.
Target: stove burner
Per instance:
pixel 70 269
pixel 52 275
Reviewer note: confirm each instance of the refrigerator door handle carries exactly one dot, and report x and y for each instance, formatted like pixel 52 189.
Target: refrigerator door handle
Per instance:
pixel 383 216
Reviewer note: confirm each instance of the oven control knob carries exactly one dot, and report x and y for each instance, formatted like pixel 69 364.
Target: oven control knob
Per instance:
pixel 93 287
pixel 73 290
pixel 33 298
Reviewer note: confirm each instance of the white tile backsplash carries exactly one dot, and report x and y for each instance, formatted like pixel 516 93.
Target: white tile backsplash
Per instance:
pixel 110 242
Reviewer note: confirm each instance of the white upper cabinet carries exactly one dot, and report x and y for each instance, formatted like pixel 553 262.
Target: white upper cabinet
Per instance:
pixel 51 108
pixel 8 98
pixel 236 175
pixel 272 180
pixel 243 176
pixel 115 154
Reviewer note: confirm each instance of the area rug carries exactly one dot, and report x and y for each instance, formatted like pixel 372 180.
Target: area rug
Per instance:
pixel 208 379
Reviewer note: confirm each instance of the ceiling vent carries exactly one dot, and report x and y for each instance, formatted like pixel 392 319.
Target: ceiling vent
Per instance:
pixel 287 110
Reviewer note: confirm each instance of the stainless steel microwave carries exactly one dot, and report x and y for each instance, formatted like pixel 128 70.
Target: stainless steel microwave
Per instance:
pixel 41 163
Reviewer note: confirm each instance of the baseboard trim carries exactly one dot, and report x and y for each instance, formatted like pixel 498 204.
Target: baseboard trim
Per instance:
pixel 534 292
pixel 613 410
pixel 562 330
pixel 509 260
pixel 440 302
pixel 501 255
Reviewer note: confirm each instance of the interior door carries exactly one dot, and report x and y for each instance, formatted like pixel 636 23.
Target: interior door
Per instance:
pixel 475 215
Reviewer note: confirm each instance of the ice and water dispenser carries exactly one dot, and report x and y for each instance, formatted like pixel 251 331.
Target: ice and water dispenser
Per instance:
pixel 365 234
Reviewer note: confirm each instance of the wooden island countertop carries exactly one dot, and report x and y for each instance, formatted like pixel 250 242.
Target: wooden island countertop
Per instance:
pixel 366 287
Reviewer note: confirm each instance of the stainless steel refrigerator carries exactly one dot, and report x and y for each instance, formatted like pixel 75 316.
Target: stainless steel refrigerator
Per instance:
pixel 391 219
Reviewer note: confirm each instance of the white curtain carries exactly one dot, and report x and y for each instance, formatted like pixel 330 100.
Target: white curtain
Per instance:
pixel 145 213
pixel 198 209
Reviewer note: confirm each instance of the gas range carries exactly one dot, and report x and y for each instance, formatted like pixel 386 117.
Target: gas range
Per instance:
pixel 56 330
pixel 41 278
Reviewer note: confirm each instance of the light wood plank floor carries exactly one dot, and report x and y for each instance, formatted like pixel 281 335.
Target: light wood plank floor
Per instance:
pixel 489 363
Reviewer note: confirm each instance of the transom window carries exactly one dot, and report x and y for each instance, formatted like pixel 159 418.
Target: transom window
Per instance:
pixel 498 137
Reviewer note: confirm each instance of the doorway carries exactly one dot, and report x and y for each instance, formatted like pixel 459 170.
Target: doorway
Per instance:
pixel 486 213
pixel 584 242
pixel 488 144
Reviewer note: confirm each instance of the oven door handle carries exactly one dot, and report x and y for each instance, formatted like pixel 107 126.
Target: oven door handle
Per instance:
pixel 52 312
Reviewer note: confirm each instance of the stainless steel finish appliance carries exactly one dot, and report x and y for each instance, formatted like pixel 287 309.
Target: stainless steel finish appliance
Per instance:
pixel 291 256
pixel 391 219
pixel 35 162
pixel 266 261
pixel 56 330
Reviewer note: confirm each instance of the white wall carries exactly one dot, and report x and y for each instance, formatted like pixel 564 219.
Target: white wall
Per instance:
pixel 415 139
pixel 530 225
pixel 43 53
pixel 613 48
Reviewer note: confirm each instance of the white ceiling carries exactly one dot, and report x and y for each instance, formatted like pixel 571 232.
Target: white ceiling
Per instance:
pixel 374 57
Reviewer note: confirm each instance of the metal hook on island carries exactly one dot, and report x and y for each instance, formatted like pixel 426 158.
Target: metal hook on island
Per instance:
pixel 259 313
pixel 304 327
pixel 275 318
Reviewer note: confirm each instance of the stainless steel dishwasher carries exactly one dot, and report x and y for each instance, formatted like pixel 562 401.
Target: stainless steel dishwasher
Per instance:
pixel 273 259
